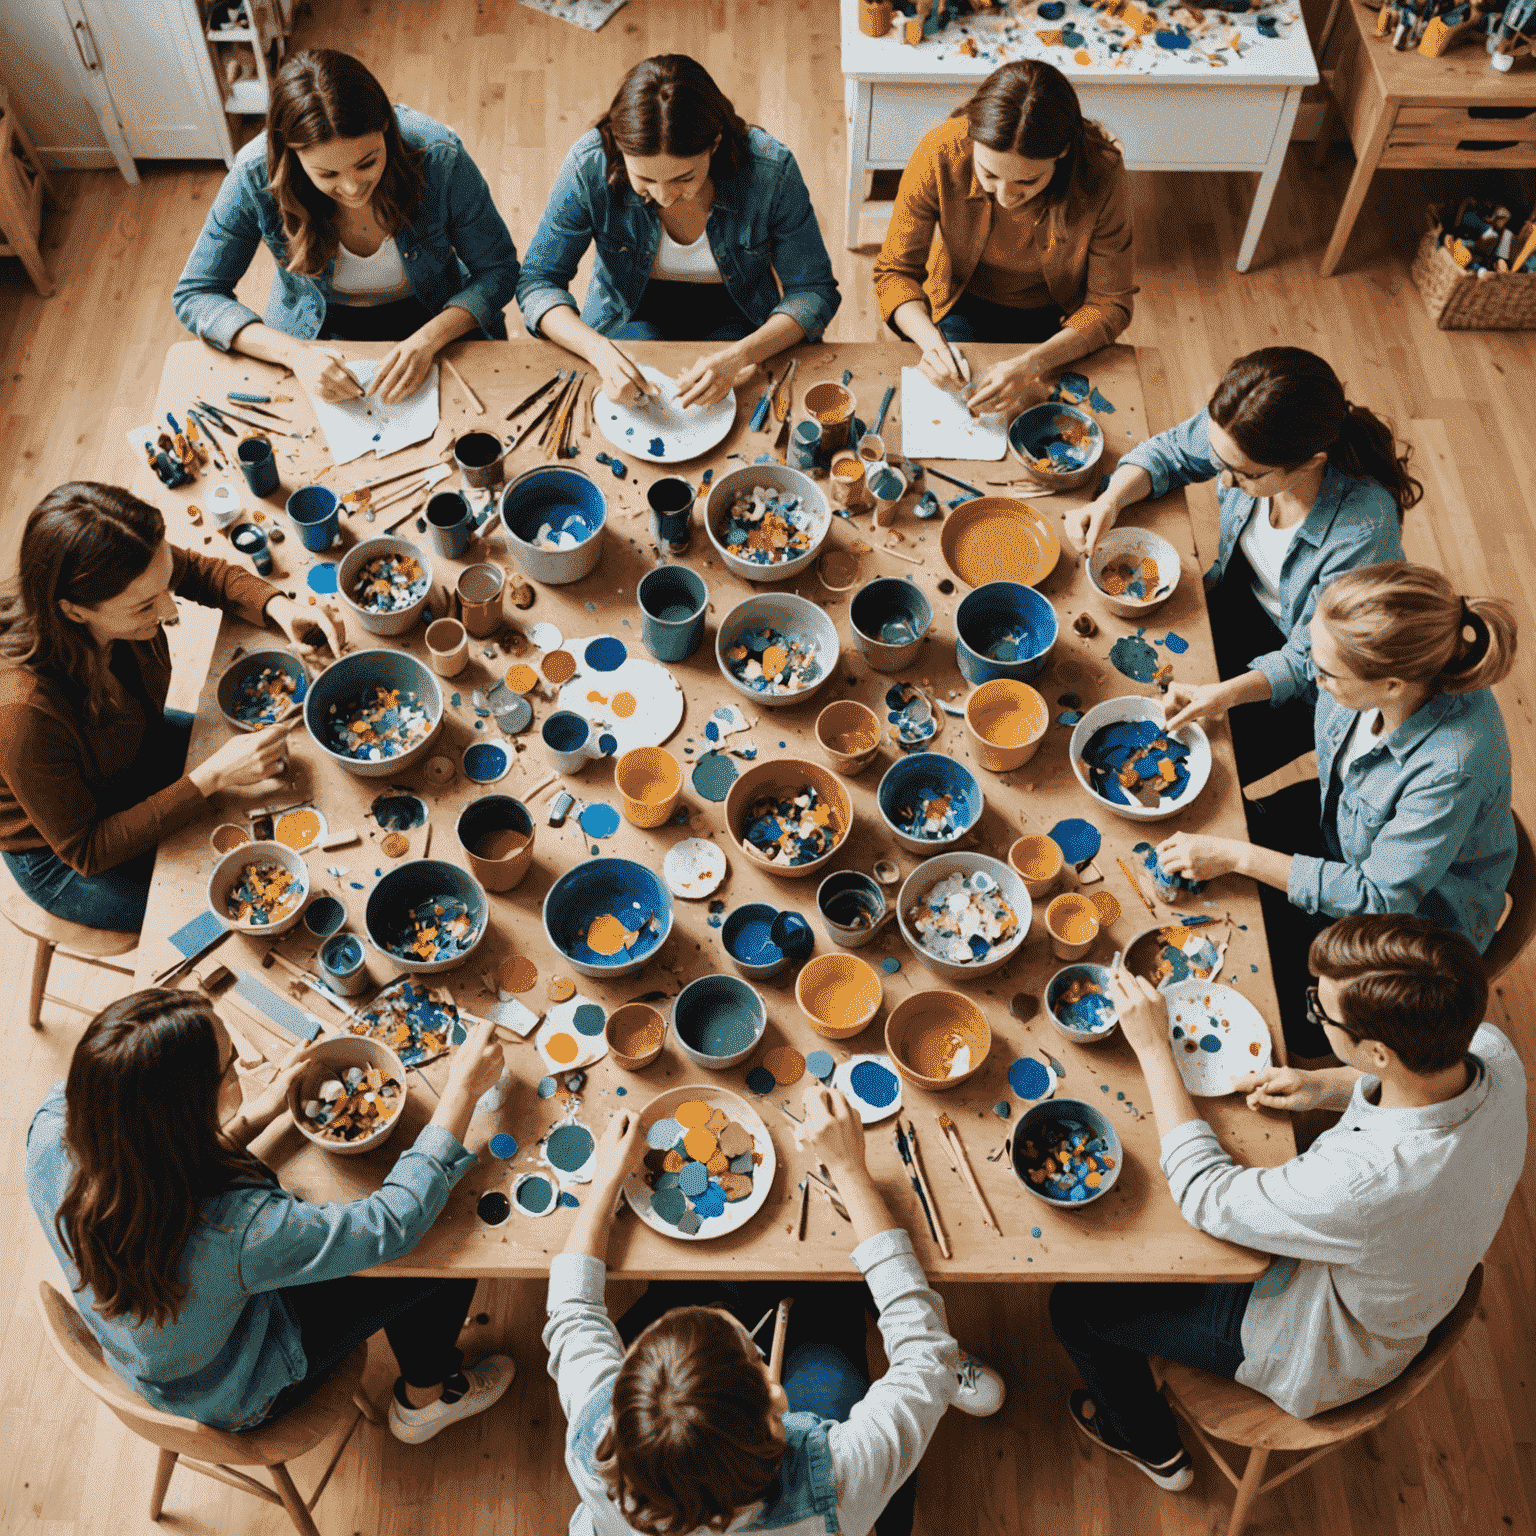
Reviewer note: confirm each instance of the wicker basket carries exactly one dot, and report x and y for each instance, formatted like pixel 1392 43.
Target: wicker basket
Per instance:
pixel 1458 300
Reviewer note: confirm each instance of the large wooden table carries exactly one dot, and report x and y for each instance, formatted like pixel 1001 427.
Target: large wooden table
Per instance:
pixel 1136 1232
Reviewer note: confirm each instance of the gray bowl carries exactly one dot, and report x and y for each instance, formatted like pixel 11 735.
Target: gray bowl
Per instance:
pixel 396 623
pixel 255 661
pixel 927 875
pixel 347 678
pixel 406 886
pixel 713 1007
pixel 790 615
pixel 787 482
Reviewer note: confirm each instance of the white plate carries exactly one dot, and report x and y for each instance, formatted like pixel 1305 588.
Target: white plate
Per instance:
pixel 736 1215
pixel 660 431
pixel 1201 1010
pixel 639 703
pixel 870 1114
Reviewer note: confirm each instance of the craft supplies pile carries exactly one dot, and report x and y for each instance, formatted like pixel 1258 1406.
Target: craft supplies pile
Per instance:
pixel 264 894
pixel 1183 955
pixel 1484 238
pixel 1065 447
pixel 411 1019
pixel 1138 579
pixel 354 1107
pixel 377 724
pixel 1083 1004
pixel 389 583
pixel 1135 762
pixel 263 697
pixel 439 928
pixel 931 815
pixel 767 527
pixel 697 1163
pixel 767 661
pixel 792 829
pixel 963 917
pixel 1169 885
pixel 1065 1161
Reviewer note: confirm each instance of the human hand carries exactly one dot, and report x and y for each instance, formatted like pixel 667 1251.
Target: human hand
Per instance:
pixel 256 758
pixel 324 375
pixel 261 1109
pixel 618 1150
pixel 833 1133
pixel 711 378
pixel 1086 525
pixel 1009 386
pixel 1284 1088
pixel 938 365
pixel 404 369
pixel 1193 701
pixel 308 628
pixel 1143 1014
pixel 477 1064
pixel 1199 858
pixel 623 381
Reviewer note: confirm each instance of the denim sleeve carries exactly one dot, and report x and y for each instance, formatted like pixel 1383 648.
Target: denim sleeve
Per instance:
pixel 204 296
pixel 559 243
pixel 1180 456
pixel 483 243
pixel 800 256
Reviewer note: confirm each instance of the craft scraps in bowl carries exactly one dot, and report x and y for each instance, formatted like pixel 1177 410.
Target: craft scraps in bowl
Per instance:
pixel 264 894
pixel 439 928
pixel 964 917
pixel 910 718
pixel 929 801
pixel 1174 954
pixel 1217 1035
pixel 389 583
pixel 377 724
pixel 767 661
pixel 1058 445
pixel 262 694
pixel 361 1101
pixel 415 1021
pixel 792 829
pixel 1078 1000
pixel 768 527
pixel 1064 1160
pixel 1136 761
pixel 608 916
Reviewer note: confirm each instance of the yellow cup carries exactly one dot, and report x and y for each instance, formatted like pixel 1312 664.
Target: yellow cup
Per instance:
pixel 839 994
pixel 849 733
pixel 649 781
pixel 636 1033
pixel 1006 721
pixel 1073 924
pixel 1037 861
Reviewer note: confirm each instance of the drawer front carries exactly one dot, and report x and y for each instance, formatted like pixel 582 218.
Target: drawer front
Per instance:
pixel 901 114
pixel 1451 136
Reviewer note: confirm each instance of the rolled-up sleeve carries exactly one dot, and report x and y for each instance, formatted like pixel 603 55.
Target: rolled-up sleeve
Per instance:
pixel 800 256
pixel 1178 457
pixel 204 296
pixel 1110 298
pixel 559 243
pixel 483 243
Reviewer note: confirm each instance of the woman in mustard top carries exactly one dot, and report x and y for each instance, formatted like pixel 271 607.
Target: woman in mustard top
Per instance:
pixel 1031 205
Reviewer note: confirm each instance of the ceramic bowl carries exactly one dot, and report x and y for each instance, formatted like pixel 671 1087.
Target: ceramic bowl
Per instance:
pixel 718 1021
pixel 346 578
pixel 1006 721
pixel 344 680
pixel 745 933
pixel 848 723
pixel 927 875
pixel 619 888
pixel 1144 952
pixel 922 1031
pixel 404 888
pixel 1029 434
pixel 881 612
pixel 1064 1112
pixel 1038 862
pixel 566 496
pixel 787 482
pixel 1137 707
pixel 840 994
pixel 1133 545
pixel 790 616
pixel 1004 629
pixel 328 1059
pixel 1099 975
pixel 928 774
pixel 227 873
pixel 257 661
pixel 632 1025
pixel 998 538
pixel 785 777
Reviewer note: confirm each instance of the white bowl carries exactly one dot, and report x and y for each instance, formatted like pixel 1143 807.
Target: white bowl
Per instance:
pixel 1135 544
pixel 398 622
pixel 786 481
pixel 226 875
pixel 790 615
pixel 940 867
pixel 329 1059
pixel 1135 707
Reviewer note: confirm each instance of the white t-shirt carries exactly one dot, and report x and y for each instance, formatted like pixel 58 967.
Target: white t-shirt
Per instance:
pixel 1362 737
pixel 1265 548
pixel 376 279
pixel 694 263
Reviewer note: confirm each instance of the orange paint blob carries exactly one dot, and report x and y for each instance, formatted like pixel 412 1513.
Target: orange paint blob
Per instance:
pixel 775 658
pixel 559 666
pixel 562 1048
pixel 1106 905
pixel 624 705
pixel 607 935
pixel 521 678
pixel 518 974
pixel 299 829
pixel 699 1144
pixel 693 1115
pixel 594 697
pixel 561 989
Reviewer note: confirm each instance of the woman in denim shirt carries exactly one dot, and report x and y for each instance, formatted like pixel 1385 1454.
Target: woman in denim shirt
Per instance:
pixel 382 227
pixel 1311 486
pixel 1410 811
pixel 694 215
pixel 217 1295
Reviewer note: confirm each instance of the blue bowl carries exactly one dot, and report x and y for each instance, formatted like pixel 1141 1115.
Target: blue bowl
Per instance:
pixel 1075 1026
pixel 403 889
pixel 1004 629
pixel 257 661
pixel 570 502
pixel 607 887
pixel 922 776
pixel 717 1021
pixel 889 617
pixel 346 679
pixel 1064 1112
pixel 746 940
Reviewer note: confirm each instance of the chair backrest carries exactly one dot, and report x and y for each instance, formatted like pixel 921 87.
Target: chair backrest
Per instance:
pixel 1520 923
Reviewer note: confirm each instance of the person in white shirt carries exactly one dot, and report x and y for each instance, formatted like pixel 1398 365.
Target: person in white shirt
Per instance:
pixel 1374 1229
pixel 686 1430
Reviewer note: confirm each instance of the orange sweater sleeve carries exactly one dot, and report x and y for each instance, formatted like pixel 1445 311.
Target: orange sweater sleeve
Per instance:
pixel 902 264
pixel 1109 300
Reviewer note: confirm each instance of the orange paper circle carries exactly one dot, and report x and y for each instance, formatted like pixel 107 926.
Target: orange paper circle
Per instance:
pixel 693 1115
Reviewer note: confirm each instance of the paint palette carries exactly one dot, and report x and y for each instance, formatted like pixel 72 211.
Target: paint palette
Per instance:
pixel 415 1021
pixel 662 431
pixel 636 701
pixel 573 1035
pixel 1217 1036
pixel 713 1140
pixel 999 538
pixel 694 868
pixel 870 1085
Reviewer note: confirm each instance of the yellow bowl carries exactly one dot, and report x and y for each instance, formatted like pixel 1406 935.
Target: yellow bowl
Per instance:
pixel 998 538
pixel 1006 721
pixel 787 776
pixel 925 1033
pixel 839 994
pixel 649 781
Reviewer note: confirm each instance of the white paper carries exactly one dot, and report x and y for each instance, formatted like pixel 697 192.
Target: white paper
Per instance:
pixel 355 427
pixel 935 424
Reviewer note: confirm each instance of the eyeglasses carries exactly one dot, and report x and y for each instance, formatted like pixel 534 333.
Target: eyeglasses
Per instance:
pixel 1316 1015
pixel 1242 474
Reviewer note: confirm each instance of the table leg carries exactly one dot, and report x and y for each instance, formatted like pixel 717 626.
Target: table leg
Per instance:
pixel 859 101
pixel 1269 178
pixel 1359 185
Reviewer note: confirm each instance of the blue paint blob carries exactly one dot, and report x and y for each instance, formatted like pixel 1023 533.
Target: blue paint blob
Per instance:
pixel 1029 1077
pixel 1210 1043
pixel 399 813
pixel 656 448
pixel 1179 38
pixel 568 1200
pixel 1268 27
pixel 669 1204
pixel 1072 38
pixel 1133 657
pixel 535 1194
pixel 664 1135
pixel 1052 10
pixel 322 577
pixel 874 1083
pixel 1078 840
pixel 713 775
pixel 547 1087
pixel 589 1019
pixel 599 820
pixel 458 1034
pixel 569 1146
pixel 693 1179
pixel 1069 717
pixel 621 1090
pixel 1176 643
pixel 502 1145
pixel 485 762
pixel 760 1080
pixel 1034 1231
pixel 710 1203
pixel 890 965
pixel 820 1064
pixel 1099 403
pixel 605 654
pixel 1002 1109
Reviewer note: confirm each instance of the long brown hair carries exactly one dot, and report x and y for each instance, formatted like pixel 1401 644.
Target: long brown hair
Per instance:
pixel 690 1445
pixel 1029 108
pixel 1282 405
pixel 317 96
pixel 83 543
pixel 669 105
pixel 141 1125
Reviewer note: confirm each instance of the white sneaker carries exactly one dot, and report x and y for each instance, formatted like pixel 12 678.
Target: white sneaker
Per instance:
pixel 486 1383
pixel 981 1390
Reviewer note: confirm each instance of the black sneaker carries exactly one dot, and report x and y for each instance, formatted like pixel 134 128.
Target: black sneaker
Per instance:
pixel 1172 1476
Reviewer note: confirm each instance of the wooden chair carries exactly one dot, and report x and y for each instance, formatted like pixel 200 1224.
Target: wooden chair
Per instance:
pixel 90 946
pixel 1216 1407
pixel 1520 920
pixel 23 185
pixel 211 1451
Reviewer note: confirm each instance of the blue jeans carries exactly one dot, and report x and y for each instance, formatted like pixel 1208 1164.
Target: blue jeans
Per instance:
pixel 974 319
pixel 672 311
pixel 117 897
pixel 1109 1330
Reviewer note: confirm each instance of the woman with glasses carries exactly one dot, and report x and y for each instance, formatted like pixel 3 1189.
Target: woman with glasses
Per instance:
pixel 1311 486
pixel 1410 811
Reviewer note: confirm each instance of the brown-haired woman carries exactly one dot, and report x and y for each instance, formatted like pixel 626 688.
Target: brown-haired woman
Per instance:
pixel 687 1431
pixel 91 764
pixel 698 220
pixel 382 227
pixel 1031 206
pixel 216 1294
pixel 1410 811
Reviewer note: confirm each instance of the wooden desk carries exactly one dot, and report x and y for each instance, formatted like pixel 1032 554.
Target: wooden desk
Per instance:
pixel 1406 111
pixel 1135 1232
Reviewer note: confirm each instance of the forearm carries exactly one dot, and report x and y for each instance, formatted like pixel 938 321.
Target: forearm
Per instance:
pixel 1066 346
pixel 451 323
pixel 594 1220
pixel 1171 1104
pixel 915 322
pixel 1250 688
pixel 1335 1085
pixel 778 332
pixel 455 1109
pixel 1129 484
pixel 267 343
pixel 865 1206
pixel 242 1130
pixel 1263 864
pixel 563 326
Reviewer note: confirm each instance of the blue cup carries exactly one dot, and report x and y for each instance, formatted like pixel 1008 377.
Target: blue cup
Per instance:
pixel 805 444
pixel 343 964
pixel 889 617
pixel 250 540
pixel 718 1020
pixel 671 502
pixel 1004 629
pixel 258 465
pixel 747 937
pixel 673 602
pixel 450 524
pixel 572 741
pixel 315 511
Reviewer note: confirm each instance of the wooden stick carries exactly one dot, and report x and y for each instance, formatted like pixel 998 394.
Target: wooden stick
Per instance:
pixel 805 1207
pixel 458 378
pixel 528 400
pixel 779 406
pixel 1130 874
pixel 780 1333
pixel 407 515
pixel 563 418
pixel 399 493
pixel 921 1178
pixel 571 384
pixel 399 474
pixel 963 1168
pixel 891 549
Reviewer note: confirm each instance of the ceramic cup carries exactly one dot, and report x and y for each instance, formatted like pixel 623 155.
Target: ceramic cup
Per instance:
pixel 649 781
pixel 832 405
pixel 1072 921
pixel 839 994
pixel 572 741
pixel 479 591
pixel 872 451
pixel 450 523
pixel 805 444
pixel 447 647
pixel 257 465
pixel 849 733
pixel 315 512
pixel 1006 722
pixel 889 617
pixel 673 602
pixel 636 1033
pixel 853 908
pixel 224 504
pixel 887 486
pixel 343 964
pixel 847 482
pixel 228 835
pixel 478 455
pixel 251 541
pixel 746 936
pixel 496 835
pixel 1038 862
pixel 671 502
pixel 324 916
pixel 718 1021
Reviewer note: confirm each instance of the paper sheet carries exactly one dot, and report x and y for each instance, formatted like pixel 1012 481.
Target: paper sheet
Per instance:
pixel 355 427
pixel 936 424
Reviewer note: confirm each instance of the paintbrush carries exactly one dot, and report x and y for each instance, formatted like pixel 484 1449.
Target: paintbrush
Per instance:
pixel 950 479
pixel 805 1207
pixel 962 1165
pixel 1130 874
pixel 205 433
pixel 523 405
pixel 312 982
pixel 885 405
pixel 829 1189
pixel 213 415
pixel 240 397
pixel 458 378
pixel 248 421
pixel 571 385
pixel 905 1143
pixel 760 410
pixel 262 412
pixel 780 1334
pixel 526 428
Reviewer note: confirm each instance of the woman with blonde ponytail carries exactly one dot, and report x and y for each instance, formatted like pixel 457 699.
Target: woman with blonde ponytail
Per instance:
pixel 1410 811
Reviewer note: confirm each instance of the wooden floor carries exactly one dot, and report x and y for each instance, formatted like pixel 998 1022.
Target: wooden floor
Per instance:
pixel 80 369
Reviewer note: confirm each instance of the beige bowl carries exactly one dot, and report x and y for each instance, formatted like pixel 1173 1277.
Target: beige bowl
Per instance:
pixel 787 776
pixel 1038 862
pixel 839 994
pixel 329 1059
pixel 636 1034
pixel 926 1031
pixel 846 724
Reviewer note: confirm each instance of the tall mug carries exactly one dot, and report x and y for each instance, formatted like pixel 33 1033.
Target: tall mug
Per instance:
pixel 673 602
pixel 671 503
pixel 449 524
pixel 479 592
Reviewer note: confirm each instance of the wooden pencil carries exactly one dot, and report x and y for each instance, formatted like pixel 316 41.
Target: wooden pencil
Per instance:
pixel 571 384
pixel 805 1206
pixel 458 378
pixel 1130 874
pixel 962 1165
pixel 563 419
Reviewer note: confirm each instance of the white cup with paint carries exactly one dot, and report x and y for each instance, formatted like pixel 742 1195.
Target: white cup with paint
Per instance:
pixel 572 741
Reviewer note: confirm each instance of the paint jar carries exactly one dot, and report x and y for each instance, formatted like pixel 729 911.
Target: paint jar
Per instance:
pixel 1073 924
pixel 447 647
pixel 673 602
pixel 1038 862
pixel 252 542
pixel 718 1021
pixel 450 524
pixel 315 512
pixel 479 589
pixel 649 781
pixel 889 617
pixel 1004 629
pixel 839 994
pixel 887 487
pixel 805 445
pixel 747 938
pixel 1006 721
pixel 227 835
pixel 496 835
pixel 257 465
pixel 849 733
pixel 832 405
pixel 479 455
pixel 572 741
pixel 872 451
pixel 636 1034
pixel 671 502
pixel 324 916
pixel 875 17
pixel 853 908
pixel 343 964
pixel 847 482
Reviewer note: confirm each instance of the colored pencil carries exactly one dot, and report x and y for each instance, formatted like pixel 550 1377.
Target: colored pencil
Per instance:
pixel 962 1165
pixel 1130 874
pixel 950 480
pixel 458 378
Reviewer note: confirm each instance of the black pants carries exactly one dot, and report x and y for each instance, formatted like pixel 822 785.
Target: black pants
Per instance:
pixel 375 322
pixel 671 311
pixel 974 319
pixel 421 1319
